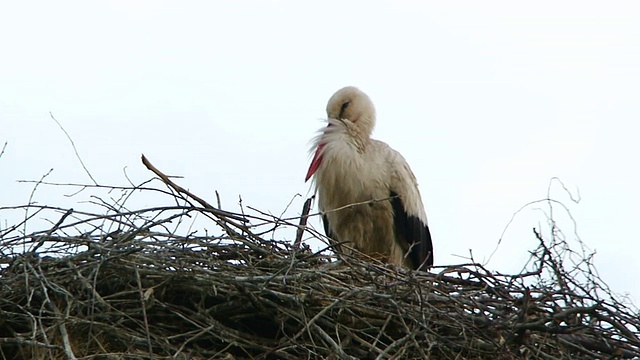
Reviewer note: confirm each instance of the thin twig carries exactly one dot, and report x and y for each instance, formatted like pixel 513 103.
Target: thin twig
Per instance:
pixel 75 150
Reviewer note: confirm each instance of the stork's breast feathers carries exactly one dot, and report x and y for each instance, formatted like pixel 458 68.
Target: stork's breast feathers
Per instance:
pixel 348 176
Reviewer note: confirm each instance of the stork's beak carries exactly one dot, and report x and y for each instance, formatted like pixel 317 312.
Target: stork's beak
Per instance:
pixel 315 163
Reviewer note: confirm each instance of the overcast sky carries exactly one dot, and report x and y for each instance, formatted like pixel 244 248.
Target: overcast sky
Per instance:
pixel 486 100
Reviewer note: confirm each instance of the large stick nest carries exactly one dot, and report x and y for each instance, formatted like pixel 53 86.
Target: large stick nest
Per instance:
pixel 121 284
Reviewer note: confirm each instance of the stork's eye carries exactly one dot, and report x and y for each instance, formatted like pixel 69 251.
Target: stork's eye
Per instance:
pixel 343 108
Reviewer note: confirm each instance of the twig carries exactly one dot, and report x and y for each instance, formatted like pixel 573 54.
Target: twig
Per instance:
pixel 303 222
pixel 181 190
pixel 143 307
pixel 55 227
pixel 75 150
pixel 4 147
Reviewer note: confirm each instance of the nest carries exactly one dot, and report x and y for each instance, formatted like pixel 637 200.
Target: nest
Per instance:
pixel 123 285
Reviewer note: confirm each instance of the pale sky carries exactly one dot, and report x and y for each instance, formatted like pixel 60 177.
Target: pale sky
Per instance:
pixel 486 100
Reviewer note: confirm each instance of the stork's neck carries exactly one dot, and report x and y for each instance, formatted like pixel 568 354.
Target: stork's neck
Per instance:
pixel 344 131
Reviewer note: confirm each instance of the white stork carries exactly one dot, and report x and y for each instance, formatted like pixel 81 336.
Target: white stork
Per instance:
pixel 351 168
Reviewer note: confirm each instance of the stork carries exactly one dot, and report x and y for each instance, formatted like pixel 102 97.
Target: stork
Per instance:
pixel 367 193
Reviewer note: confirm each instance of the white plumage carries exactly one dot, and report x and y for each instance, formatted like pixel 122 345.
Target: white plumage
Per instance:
pixel 350 168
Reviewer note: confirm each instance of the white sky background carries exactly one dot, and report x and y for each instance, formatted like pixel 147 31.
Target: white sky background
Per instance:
pixel 486 100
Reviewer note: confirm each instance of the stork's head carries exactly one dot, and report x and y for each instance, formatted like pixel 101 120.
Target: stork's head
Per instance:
pixel 355 109
pixel 350 110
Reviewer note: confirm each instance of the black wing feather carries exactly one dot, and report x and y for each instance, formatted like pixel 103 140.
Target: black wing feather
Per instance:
pixel 333 241
pixel 327 229
pixel 415 232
